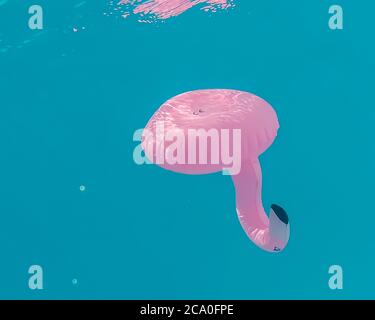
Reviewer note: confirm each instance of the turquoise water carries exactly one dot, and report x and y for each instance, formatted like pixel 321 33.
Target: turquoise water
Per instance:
pixel 71 101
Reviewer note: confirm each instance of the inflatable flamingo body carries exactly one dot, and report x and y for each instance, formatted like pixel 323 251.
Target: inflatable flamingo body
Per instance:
pixel 210 112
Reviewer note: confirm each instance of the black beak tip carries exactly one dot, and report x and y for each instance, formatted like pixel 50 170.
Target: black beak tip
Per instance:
pixel 281 213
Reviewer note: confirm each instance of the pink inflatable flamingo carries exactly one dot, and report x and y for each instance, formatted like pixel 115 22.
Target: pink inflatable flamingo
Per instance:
pixel 215 110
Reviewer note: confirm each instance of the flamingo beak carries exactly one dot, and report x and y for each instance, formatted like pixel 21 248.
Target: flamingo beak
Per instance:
pixel 279 228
